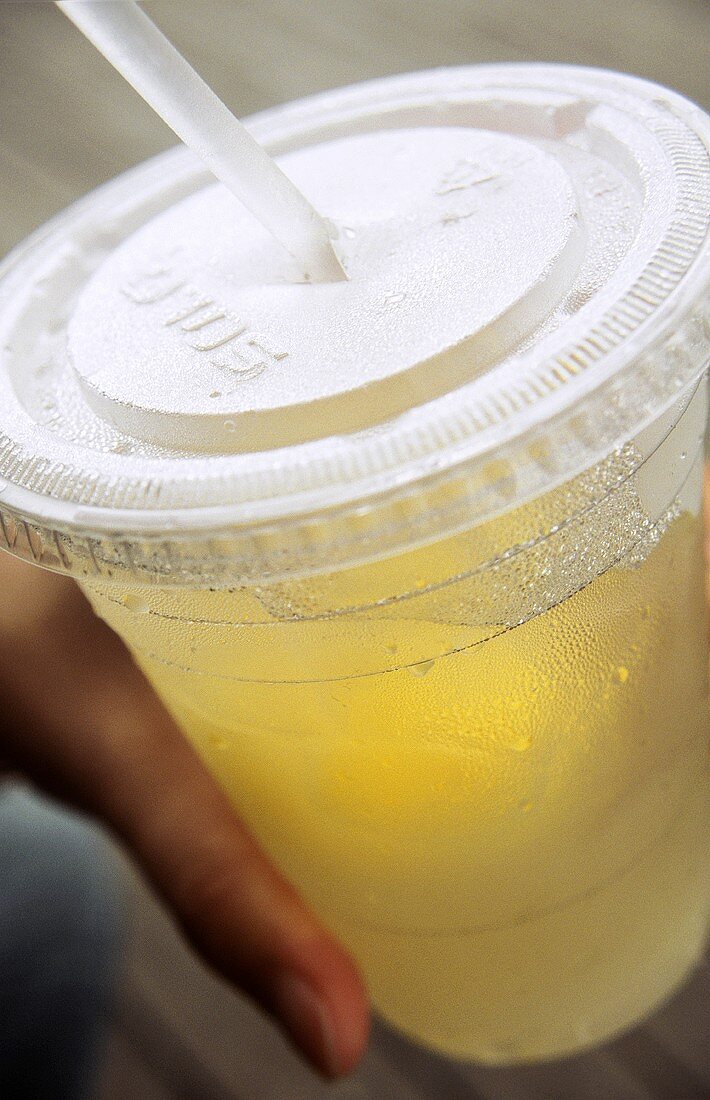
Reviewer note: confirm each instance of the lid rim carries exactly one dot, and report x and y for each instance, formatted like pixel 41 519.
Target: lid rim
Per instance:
pixel 413 464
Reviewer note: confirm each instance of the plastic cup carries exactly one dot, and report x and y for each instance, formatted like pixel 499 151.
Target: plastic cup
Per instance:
pixel 436 621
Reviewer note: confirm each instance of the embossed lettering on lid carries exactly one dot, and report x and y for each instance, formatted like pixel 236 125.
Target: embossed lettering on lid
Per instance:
pixel 529 267
pixel 454 240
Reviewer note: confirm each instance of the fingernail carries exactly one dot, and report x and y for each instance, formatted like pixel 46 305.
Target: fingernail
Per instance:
pixel 306 1016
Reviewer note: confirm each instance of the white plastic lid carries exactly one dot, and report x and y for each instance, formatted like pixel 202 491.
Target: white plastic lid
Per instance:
pixel 527 260
pixel 457 243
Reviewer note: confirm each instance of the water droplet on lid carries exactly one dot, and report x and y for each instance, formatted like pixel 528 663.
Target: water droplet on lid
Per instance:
pixel 525 806
pixel 394 297
pixel 230 425
pixel 348 231
pixel 216 393
pixel 421 669
pixel 622 674
pixel 391 648
pixel 136 603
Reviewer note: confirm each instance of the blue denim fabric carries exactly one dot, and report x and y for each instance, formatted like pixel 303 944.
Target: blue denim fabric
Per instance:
pixel 60 931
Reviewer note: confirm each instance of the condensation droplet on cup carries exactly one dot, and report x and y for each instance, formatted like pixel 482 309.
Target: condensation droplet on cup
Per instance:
pixel 218 742
pixel 522 744
pixel 230 425
pixel 421 669
pixel 394 297
pixel 136 604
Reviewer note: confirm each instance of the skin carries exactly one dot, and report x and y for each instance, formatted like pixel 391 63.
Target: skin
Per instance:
pixel 83 724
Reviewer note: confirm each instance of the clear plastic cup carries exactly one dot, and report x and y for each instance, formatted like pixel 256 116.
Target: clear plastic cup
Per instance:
pixel 447 652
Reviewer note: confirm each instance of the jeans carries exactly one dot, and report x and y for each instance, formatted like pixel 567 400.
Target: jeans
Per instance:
pixel 60 931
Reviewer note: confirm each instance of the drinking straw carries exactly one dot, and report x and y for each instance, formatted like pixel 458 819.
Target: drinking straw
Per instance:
pixel 160 74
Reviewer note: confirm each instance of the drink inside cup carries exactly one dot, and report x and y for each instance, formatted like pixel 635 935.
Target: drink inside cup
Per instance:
pixel 414 558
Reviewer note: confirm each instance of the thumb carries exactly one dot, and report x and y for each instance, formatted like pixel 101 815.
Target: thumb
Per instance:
pixel 86 726
pixel 243 917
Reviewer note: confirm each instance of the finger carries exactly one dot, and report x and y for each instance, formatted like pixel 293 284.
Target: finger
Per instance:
pixel 101 738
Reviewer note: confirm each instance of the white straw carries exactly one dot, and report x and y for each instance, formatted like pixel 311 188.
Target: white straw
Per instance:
pixel 160 74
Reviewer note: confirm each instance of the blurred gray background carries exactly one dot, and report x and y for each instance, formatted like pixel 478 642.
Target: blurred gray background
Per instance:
pixel 67 123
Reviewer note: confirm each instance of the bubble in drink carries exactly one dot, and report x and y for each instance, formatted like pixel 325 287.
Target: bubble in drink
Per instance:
pixel 420 552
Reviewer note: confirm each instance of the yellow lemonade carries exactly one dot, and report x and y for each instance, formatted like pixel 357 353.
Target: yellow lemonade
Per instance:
pixel 414 556
pixel 507 824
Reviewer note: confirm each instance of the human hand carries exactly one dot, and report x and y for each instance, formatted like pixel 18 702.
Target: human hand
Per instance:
pixel 82 722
